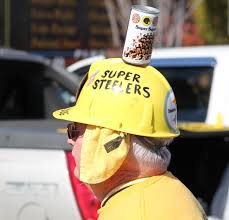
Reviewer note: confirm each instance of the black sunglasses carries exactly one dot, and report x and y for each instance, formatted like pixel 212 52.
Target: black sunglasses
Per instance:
pixel 72 130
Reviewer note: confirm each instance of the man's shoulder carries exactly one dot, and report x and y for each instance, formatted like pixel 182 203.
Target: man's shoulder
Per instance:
pixel 160 197
pixel 177 199
pixel 168 190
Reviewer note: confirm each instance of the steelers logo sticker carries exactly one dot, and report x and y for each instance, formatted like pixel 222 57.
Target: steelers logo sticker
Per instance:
pixel 171 111
pixel 147 21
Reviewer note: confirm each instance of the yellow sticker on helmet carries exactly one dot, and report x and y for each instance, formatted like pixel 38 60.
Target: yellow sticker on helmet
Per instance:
pixel 171 111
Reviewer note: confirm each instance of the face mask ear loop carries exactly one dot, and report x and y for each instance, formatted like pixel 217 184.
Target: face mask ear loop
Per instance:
pixel 115 143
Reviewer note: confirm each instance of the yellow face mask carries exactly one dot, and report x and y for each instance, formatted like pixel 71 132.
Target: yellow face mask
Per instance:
pixel 103 152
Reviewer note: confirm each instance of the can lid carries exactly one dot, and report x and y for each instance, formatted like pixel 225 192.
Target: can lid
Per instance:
pixel 146 9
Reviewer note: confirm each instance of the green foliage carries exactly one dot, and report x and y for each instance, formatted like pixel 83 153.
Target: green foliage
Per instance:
pixel 217 14
pixel 212 19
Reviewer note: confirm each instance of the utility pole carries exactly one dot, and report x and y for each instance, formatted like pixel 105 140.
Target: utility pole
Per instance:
pixel 7 22
pixel 227 17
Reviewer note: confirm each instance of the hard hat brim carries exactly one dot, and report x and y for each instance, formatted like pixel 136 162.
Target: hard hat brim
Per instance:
pixel 74 115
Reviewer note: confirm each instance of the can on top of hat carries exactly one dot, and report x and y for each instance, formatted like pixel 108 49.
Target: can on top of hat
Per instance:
pixel 140 35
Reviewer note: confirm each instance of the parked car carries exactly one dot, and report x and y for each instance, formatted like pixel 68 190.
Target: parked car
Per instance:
pixel 201 73
pixel 36 165
pixel 82 66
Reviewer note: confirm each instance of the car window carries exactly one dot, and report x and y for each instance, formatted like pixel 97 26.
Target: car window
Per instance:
pixel 191 86
pixel 82 71
pixel 26 93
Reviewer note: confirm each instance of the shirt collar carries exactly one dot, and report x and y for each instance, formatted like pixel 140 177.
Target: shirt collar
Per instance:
pixel 120 188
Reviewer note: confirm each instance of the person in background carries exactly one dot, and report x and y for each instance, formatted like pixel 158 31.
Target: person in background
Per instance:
pixel 124 118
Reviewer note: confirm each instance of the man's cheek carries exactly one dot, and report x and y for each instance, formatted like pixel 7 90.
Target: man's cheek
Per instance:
pixel 77 172
pixel 76 154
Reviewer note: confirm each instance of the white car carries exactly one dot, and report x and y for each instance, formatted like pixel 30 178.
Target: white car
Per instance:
pixel 36 165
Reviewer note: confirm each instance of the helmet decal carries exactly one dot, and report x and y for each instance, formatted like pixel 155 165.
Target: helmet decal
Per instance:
pixel 120 81
pixel 91 79
pixel 171 111
pixel 64 111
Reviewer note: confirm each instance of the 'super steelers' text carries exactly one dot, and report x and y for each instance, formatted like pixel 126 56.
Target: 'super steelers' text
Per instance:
pixel 114 80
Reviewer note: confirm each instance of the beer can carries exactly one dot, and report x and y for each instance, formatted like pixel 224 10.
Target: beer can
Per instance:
pixel 140 35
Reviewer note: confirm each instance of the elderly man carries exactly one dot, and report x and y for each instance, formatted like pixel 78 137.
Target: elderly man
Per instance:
pixel 124 118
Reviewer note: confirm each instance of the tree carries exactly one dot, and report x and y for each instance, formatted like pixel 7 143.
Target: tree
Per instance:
pixel 213 21
pixel 173 15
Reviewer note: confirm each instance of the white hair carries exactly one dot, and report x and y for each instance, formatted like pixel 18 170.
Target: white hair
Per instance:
pixel 152 152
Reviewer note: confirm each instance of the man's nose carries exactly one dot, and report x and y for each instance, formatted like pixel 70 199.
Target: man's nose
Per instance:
pixel 71 142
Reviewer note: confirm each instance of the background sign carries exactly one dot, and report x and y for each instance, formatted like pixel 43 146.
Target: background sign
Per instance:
pixel 59 25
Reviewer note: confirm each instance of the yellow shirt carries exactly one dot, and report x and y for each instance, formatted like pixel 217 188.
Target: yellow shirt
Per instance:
pixel 161 197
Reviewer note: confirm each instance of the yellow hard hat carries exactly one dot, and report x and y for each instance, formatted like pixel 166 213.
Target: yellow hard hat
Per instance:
pixel 122 97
